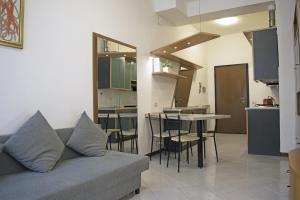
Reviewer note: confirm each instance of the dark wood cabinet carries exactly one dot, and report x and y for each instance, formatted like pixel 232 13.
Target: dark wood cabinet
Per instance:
pixel 265 55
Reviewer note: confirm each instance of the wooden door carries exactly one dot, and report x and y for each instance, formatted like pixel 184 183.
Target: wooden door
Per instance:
pixel 183 88
pixel 232 97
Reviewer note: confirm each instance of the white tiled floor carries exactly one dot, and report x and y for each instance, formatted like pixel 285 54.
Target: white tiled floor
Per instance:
pixel 238 176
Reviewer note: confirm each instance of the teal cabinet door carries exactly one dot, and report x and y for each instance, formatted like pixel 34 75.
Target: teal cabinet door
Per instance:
pixel 127 82
pixel 133 71
pixel 118 73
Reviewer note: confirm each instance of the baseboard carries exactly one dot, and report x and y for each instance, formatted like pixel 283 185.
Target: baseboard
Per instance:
pixel 284 155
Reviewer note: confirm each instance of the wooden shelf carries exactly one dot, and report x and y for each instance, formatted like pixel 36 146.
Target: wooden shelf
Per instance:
pixel 166 74
pixel 249 37
pixel 183 63
pixel 186 43
pixel 166 51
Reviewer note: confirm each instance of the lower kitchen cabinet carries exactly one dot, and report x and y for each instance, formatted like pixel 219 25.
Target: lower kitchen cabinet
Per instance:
pixel 263 131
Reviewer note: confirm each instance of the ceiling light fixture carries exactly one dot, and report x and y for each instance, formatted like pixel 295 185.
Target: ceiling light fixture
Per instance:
pixel 188 43
pixel 227 21
pixel 175 47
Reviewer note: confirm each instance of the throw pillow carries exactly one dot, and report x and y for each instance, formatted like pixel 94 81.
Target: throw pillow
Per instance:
pixel 35 145
pixel 87 138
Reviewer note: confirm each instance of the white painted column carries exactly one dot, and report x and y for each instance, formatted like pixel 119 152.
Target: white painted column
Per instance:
pixel 287 87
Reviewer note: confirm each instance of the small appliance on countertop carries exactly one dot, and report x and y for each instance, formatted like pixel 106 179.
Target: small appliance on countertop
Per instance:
pixel 270 101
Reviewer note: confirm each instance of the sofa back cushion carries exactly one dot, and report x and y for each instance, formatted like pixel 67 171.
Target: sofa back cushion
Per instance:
pixel 10 166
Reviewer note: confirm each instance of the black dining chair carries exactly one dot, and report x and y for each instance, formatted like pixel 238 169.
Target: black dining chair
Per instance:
pixel 130 134
pixel 112 133
pixel 206 135
pixel 179 140
pixel 160 135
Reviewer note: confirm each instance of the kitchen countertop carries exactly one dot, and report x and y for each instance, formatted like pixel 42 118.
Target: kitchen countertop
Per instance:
pixel 117 108
pixel 180 109
pixel 263 108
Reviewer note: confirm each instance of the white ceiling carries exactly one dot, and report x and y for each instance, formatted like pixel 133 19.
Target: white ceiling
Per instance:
pixel 183 12
pixel 245 23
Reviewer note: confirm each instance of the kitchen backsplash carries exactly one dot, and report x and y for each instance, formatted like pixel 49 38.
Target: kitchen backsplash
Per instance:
pixel 116 98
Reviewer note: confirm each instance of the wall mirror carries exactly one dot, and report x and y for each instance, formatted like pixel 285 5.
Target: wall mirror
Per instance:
pixel 115 91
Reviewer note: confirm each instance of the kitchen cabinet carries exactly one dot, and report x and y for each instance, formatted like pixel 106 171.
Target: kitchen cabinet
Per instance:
pixel 265 55
pixel 118 73
pixel 127 80
pixel 263 131
pixel 115 73
pixel 103 72
pixel 133 71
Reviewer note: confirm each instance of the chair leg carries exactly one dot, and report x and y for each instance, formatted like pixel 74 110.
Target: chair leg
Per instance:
pixel 151 149
pixel 137 145
pixel 178 170
pixel 188 152
pixel 168 157
pixel 204 148
pixel 181 148
pixel 110 143
pixel 216 149
pixel 191 147
pixel 160 151
pixel 118 138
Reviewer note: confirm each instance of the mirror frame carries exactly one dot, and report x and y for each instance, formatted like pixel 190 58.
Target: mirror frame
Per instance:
pixel 95 69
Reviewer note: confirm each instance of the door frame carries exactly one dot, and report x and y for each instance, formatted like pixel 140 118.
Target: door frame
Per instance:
pixel 95 69
pixel 247 84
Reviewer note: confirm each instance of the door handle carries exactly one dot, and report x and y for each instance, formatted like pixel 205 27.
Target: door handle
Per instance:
pixel 243 100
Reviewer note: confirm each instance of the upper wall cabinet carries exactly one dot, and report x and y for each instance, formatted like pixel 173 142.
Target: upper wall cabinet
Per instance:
pixel 116 73
pixel 265 53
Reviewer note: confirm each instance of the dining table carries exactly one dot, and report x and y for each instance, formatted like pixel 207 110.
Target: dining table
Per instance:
pixel 199 119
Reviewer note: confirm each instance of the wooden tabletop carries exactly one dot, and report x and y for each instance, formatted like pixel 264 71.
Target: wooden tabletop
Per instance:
pixel 115 115
pixel 189 117
pixel 294 161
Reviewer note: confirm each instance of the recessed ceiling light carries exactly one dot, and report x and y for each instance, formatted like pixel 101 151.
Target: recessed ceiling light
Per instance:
pixel 106 55
pixel 227 21
pixel 164 51
pixel 175 47
pixel 188 43
pixel 124 55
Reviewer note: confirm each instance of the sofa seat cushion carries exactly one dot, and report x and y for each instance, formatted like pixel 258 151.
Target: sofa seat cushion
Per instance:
pixel 80 178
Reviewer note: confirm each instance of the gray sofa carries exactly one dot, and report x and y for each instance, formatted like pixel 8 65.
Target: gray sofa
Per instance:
pixel 75 177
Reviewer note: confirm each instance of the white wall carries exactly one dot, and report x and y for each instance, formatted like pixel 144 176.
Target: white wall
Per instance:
pixel 116 98
pixel 53 72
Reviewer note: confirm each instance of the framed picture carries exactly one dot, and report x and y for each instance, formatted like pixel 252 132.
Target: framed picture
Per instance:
pixel 11 23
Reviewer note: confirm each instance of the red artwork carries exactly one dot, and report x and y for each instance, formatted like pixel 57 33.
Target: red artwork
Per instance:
pixel 11 22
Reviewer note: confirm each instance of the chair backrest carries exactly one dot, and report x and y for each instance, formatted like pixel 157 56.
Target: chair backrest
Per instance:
pixel 178 125
pixel 9 165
